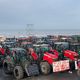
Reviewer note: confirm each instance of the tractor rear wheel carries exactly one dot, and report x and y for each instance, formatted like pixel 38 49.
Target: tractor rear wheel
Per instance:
pixel 18 72
pixel 45 68
pixel 6 68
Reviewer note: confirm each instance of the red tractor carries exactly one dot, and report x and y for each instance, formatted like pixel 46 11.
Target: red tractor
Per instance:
pixel 65 53
pixel 48 61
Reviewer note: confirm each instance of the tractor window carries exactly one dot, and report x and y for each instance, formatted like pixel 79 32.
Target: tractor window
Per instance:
pixel 29 45
pixel 44 49
pixel 62 46
pixel 73 48
pixel 37 50
pixel 22 54
pixel 78 47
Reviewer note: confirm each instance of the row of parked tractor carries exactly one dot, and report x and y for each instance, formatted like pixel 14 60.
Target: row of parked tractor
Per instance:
pixel 34 55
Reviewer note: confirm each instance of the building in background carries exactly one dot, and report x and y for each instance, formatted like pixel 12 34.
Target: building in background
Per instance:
pixel 2 38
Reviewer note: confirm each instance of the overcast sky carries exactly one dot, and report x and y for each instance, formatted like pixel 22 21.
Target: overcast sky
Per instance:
pixel 44 14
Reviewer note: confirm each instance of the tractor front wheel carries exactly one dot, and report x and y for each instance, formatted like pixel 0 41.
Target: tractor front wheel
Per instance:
pixel 6 68
pixel 45 68
pixel 18 72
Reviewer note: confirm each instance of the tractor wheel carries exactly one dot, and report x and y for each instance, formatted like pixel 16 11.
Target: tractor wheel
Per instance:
pixel 6 68
pixel 45 68
pixel 18 72
pixel 78 72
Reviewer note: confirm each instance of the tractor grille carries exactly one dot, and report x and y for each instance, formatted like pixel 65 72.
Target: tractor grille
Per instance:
pixel 32 70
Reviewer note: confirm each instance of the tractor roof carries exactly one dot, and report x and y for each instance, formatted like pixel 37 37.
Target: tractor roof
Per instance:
pixel 61 43
pixel 16 49
pixel 40 45
pixel 75 44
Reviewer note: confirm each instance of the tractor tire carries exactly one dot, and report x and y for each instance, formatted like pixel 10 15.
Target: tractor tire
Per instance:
pixel 45 68
pixel 18 72
pixel 78 72
pixel 6 68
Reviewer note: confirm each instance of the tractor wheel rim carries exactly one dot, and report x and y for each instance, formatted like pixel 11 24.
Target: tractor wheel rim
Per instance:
pixel 16 73
pixel 43 68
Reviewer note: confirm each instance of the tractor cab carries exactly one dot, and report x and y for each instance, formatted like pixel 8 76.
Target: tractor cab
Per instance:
pixel 75 47
pixel 44 53
pixel 16 55
pixel 64 50
pixel 40 49
pixel 61 46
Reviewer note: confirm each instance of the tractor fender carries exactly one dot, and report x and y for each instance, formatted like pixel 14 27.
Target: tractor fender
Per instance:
pixel 49 60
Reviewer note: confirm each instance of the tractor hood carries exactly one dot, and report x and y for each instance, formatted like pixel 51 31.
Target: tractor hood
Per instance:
pixel 52 56
pixel 71 53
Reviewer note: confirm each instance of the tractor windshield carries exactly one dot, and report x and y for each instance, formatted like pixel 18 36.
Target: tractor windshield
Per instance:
pixel 22 55
pixel 27 46
pixel 75 47
pixel 42 47
pixel 60 46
